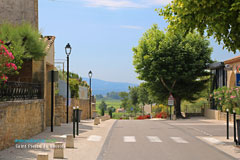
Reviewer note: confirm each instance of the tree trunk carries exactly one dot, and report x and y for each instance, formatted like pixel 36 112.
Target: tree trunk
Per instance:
pixel 178 107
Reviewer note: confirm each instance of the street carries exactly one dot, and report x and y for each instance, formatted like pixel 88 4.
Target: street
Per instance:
pixel 164 139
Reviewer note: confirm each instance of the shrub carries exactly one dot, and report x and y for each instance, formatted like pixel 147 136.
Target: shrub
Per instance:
pixel 161 115
pixel 6 64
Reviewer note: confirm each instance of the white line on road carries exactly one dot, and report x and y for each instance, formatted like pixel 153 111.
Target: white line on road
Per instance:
pixel 178 140
pixel 129 139
pixel 213 140
pixel 94 138
pixel 154 139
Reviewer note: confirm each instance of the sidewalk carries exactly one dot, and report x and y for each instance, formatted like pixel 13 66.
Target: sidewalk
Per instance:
pixel 84 147
pixel 220 142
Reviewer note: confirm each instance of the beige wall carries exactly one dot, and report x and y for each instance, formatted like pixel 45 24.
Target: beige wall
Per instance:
pixel 20 120
pixel 231 75
pixel 218 115
pixel 60 110
pixel 18 11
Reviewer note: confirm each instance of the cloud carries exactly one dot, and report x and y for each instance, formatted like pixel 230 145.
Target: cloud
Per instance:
pixel 116 4
pixel 113 4
pixel 157 2
pixel 131 27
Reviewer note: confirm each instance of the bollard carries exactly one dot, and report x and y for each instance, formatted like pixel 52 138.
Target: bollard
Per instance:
pixel 42 156
pixel 77 120
pixel 96 121
pixel 69 141
pixel 58 150
pixel 234 126
pixel 170 112
pixel 238 131
pixel 227 124
pixel 74 122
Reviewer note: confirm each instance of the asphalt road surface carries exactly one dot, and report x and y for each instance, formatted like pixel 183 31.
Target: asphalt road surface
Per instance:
pixel 162 140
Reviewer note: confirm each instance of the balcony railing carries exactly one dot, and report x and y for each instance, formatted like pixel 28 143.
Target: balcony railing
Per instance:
pixel 11 91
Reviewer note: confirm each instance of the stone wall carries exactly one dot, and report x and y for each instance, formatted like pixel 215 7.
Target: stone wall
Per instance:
pixel 218 115
pixel 20 120
pixel 19 11
pixel 60 109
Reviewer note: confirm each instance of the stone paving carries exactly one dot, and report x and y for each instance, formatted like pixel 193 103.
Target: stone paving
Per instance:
pixel 84 148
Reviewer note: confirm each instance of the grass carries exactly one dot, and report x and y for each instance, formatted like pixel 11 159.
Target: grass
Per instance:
pixel 110 102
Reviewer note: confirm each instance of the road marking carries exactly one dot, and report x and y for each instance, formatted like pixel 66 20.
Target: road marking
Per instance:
pixel 194 124
pixel 154 139
pixel 94 138
pixel 213 140
pixel 129 139
pixel 178 140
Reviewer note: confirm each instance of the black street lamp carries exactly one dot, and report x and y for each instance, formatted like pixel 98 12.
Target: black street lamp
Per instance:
pixel 90 93
pixel 68 52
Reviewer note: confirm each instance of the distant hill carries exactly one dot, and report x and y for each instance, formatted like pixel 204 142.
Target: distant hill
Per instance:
pixel 103 87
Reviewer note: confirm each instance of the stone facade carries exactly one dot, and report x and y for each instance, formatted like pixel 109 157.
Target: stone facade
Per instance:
pixel 218 115
pixel 20 120
pixel 19 11
pixel 234 64
pixel 60 110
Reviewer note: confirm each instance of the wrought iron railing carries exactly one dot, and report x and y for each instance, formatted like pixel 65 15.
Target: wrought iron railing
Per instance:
pixel 11 91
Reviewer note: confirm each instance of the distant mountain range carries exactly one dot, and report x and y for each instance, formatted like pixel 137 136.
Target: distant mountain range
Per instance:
pixel 103 87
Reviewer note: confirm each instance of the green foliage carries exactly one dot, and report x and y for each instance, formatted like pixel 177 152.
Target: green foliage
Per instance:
pixel 124 100
pixel 134 98
pixel 25 42
pixel 113 95
pixel 99 96
pixel 74 87
pixel 172 63
pixel 227 98
pixel 143 95
pixel 103 107
pixel 218 18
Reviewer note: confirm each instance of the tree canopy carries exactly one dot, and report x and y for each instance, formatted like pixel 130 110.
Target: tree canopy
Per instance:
pixel 219 18
pixel 172 63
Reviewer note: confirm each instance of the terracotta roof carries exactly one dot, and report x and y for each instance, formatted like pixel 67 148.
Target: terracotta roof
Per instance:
pixel 50 40
pixel 232 60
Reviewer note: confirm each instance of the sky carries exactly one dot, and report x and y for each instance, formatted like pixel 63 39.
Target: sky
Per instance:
pixel 102 34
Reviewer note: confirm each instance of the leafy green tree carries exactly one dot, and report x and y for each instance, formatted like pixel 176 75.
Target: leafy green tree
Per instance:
pixel 219 18
pixel 134 99
pixel 172 63
pixel 113 95
pixel 143 95
pixel 103 107
pixel 99 96
pixel 124 96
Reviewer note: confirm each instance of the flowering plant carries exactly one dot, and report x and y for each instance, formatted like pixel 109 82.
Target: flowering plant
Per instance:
pixel 161 115
pixel 144 117
pixel 227 98
pixel 6 64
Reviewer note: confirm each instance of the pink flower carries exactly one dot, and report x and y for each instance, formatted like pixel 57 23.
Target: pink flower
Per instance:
pixel 8 64
pixel 4 77
pixel 219 98
pixel 10 55
pixel 233 97
pixel 14 66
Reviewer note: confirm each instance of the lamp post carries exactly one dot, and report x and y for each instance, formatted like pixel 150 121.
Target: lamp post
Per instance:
pixel 90 93
pixel 68 52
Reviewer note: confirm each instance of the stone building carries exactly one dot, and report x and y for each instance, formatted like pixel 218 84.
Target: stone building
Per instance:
pixel 19 11
pixel 233 68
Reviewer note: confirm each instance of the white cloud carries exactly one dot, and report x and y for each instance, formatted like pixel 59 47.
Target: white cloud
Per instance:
pixel 157 2
pixel 113 4
pixel 131 27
